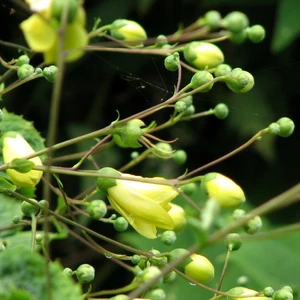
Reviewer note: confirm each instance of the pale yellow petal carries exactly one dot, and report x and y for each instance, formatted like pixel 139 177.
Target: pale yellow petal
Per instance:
pixel 39 33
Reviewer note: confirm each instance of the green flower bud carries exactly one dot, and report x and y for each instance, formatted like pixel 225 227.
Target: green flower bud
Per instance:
pixel 203 55
pixel 235 21
pixel 180 156
pixel 119 297
pixel 189 188
pixel 168 237
pixel 16 219
pixel 38 238
pixel 58 7
pixel 38 71
pixel 238 214
pixel 288 288
pixel 21 165
pixel 157 260
pixel 243 281
pixel 23 59
pixel 163 150
pixel 68 271
pixel 85 273
pixel 50 73
pixel 268 291
pixel 44 203
pixel 233 241
pixel 178 216
pixel 134 155
pixel 274 128
pixel 135 259
pixel 24 71
pixel 127 135
pixel 156 294
pixel 161 40
pixel 200 78
pixel 242 291
pixel 172 62
pixel 29 209
pixel 222 70
pixel 253 225
pixel 170 277
pixel 256 33
pixel 150 273
pixel 190 110
pixel 188 100
pixel 212 19
pixel 239 37
pixel 120 224
pixel 105 183
pixel 282 295
pixel 225 191
pixel 2 247
pixel 287 127
pixel 180 106
pixel 97 209
pixel 221 111
pixel 128 31
pixel 239 81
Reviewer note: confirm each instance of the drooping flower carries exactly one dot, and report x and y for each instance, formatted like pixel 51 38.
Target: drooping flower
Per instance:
pixel 144 205
pixel 41 30
pixel 15 146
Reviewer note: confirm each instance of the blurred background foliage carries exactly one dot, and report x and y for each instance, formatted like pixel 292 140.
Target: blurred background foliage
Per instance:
pixel 101 83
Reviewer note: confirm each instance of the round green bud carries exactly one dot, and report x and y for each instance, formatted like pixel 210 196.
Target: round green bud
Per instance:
pixel 180 106
pixel 163 150
pixel 203 55
pixel 268 291
pixel 156 294
pixel 119 297
pixel 282 295
pixel 200 78
pixel 157 260
pixel 50 73
pixel 38 71
pixel 161 40
pixel 238 214
pixel 128 31
pixel 104 183
pixel 180 156
pixel 120 224
pixel 170 277
pixel 288 288
pixel 23 59
pixel 178 216
pixel 16 219
pixel 239 81
pixel 213 19
pixel 38 238
pixel 172 62
pixel 85 273
pixel 150 273
pixel 239 37
pixel 58 7
pixel 168 237
pixel 256 33
pixel 28 209
pixel 222 70
pixel 25 71
pixel 97 209
pixel 2 247
pixel 243 280
pixel 233 241
pixel 235 21
pixel 189 188
pixel 44 204
pixel 134 155
pixel 188 100
pixel 68 271
pixel 253 225
pixel 190 110
pixel 286 126
pixel 135 259
pixel 274 128
pixel 221 111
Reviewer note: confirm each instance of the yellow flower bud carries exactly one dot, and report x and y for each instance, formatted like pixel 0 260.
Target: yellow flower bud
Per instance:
pixel 242 291
pixel 225 191
pixel 15 146
pixel 178 216
pixel 144 205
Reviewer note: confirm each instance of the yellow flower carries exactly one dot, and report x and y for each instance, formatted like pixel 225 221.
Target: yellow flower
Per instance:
pixel 144 205
pixel 15 146
pixel 41 30
pixel 225 191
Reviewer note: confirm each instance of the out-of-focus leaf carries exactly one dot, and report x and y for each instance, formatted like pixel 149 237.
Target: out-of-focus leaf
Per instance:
pixel 287 26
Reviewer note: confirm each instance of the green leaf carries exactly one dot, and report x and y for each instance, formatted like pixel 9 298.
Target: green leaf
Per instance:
pixel 6 185
pixel 287 26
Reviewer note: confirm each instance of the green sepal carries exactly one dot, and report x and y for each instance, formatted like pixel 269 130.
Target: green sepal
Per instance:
pixel 205 179
pixel 21 165
pixel 176 254
pixel 6 185
pixel 104 183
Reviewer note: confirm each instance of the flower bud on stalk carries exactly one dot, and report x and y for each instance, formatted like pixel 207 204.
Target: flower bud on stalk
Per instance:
pixel 221 111
pixel 172 62
pixel 201 78
pixel 256 33
pixel 239 81
pixel 212 19
pixel 222 70
pixel 203 55
pixel 15 146
pixel 85 273
pixel 24 71
pixel 178 216
pixel 235 21
pixel 97 209
pixel 242 291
